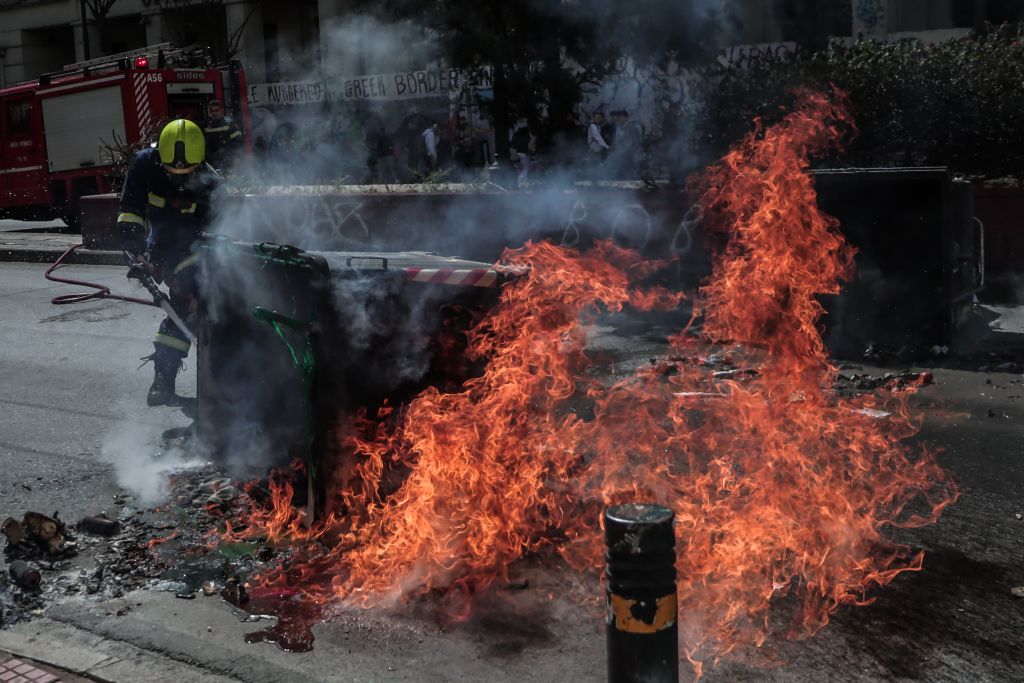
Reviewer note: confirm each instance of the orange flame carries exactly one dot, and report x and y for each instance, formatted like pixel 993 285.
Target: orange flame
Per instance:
pixel 160 540
pixel 780 488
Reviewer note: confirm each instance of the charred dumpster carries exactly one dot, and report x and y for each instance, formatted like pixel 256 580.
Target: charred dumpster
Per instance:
pixel 919 258
pixel 290 340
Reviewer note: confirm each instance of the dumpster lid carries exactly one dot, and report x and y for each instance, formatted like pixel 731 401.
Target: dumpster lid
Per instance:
pixel 418 266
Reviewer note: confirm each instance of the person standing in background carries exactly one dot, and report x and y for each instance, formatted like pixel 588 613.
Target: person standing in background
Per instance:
pixel 431 138
pixel 599 147
pixel 224 141
pixel 629 147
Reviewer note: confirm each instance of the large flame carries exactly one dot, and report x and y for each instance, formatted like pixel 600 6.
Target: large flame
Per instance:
pixel 781 489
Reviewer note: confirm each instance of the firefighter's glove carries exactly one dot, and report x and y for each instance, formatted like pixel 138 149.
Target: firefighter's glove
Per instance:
pixel 143 268
pixel 133 237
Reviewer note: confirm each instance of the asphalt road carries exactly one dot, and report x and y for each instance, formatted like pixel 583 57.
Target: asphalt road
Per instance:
pixel 72 398
pixel 69 381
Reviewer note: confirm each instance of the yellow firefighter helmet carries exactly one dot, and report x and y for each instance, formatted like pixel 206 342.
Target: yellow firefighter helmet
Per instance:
pixel 182 146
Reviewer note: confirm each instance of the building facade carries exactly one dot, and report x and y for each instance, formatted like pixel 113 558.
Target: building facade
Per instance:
pixel 279 41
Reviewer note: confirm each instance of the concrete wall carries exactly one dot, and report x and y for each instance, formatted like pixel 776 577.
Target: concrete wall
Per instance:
pixel 910 284
pixel 18 63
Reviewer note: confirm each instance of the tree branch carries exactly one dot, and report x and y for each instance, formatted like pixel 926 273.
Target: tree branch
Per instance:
pixel 236 36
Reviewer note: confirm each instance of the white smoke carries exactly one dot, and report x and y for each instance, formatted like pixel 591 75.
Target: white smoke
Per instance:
pixel 361 44
pixel 143 461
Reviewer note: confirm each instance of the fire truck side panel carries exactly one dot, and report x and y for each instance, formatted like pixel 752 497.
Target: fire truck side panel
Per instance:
pixel 5 196
pixel 77 124
pixel 53 131
pixel 4 165
pixel 22 158
pixel 144 105
pixel 190 91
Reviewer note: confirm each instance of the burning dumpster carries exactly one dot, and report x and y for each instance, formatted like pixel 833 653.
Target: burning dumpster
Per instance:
pixel 290 340
pixel 919 257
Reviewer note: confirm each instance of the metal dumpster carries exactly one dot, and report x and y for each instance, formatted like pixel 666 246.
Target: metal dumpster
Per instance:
pixel 292 340
pixel 919 258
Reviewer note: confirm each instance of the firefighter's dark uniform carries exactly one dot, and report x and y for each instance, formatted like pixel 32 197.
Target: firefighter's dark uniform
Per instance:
pixel 223 142
pixel 176 215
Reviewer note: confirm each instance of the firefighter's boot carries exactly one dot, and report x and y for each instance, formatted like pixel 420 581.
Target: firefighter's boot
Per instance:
pixel 165 370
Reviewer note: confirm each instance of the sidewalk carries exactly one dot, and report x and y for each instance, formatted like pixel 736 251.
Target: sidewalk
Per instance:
pixel 46 247
pixel 75 655
pixel 23 670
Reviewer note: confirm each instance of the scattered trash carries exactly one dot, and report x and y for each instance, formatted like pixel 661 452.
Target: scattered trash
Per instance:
pixel 209 588
pixel 13 530
pixel 732 374
pixel 890 380
pixel 224 495
pixel 25 575
pixel 1017 591
pixel 168 587
pixel 100 525
pixel 234 551
pixel 221 498
pixel 37 535
pixel 870 412
pixel 235 591
pixel 214 485
pixel 94 583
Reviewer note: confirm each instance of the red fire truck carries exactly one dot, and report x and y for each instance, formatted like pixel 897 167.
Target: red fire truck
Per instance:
pixel 56 131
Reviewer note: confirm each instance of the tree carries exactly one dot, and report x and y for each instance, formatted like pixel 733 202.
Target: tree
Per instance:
pixel 235 39
pixel 954 103
pixel 198 21
pixel 99 9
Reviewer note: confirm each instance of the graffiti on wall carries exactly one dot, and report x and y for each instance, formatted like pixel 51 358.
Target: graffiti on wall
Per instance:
pixel 658 226
pixel 648 93
pixel 869 18
pixel 325 221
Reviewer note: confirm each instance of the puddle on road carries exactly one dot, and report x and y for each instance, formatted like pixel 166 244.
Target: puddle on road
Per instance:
pixel 293 631
pixel 95 314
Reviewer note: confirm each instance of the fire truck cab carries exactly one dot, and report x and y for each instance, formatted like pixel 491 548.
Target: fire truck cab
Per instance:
pixel 57 132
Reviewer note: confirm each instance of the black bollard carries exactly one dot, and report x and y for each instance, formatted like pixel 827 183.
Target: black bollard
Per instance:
pixel 642 616
pixel 100 525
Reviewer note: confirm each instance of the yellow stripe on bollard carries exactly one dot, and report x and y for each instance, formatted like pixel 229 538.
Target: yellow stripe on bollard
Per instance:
pixel 622 613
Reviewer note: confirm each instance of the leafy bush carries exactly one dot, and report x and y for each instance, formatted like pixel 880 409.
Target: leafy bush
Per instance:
pixel 959 103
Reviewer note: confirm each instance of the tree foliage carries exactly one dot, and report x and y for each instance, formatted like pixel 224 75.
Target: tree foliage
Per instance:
pixel 955 103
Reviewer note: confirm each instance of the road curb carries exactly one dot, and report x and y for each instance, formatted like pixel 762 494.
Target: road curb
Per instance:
pixel 86 257
pixel 83 653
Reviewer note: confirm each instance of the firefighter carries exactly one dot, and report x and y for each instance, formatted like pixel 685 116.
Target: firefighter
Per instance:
pixel 171 188
pixel 223 137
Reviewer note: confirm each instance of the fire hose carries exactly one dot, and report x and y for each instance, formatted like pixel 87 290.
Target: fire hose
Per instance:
pixel 160 300
pixel 103 292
